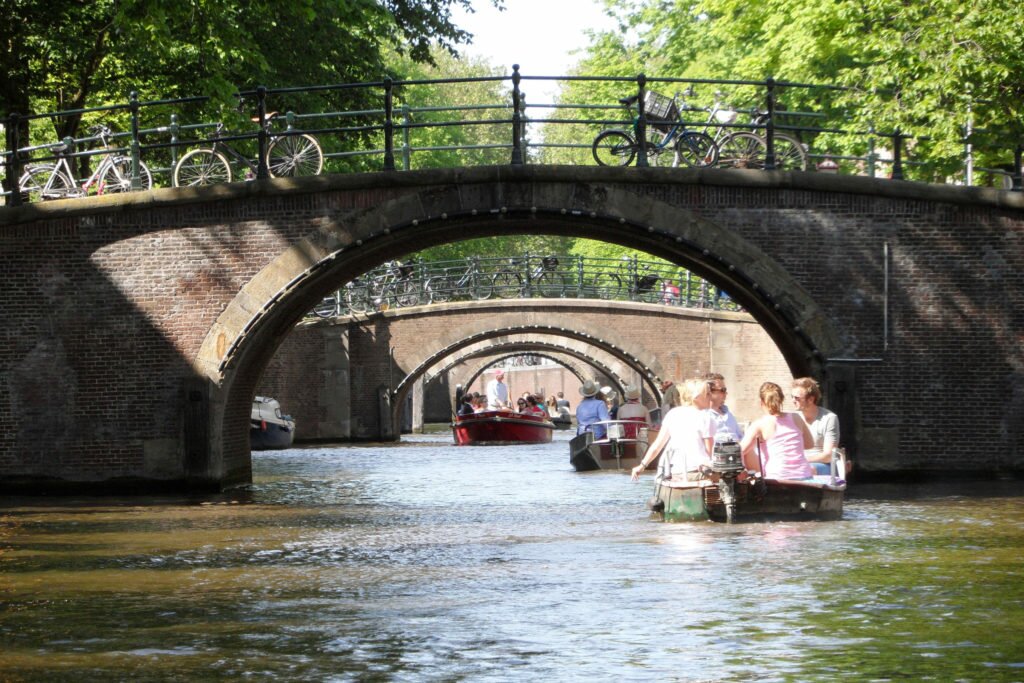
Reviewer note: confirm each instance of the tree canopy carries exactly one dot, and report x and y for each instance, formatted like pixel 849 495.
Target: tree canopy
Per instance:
pixel 926 69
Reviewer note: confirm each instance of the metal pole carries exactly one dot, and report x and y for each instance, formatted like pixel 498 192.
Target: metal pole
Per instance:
pixel 897 155
pixel 389 126
pixel 133 103
pixel 13 161
pixel 769 133
pixel 262 171
pixel 517 146
pixel 1016 168
pixel 406 149
pixel 641 124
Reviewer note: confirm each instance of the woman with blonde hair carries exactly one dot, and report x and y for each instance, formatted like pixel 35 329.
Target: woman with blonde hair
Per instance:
pixel 775 443
pixel 688 431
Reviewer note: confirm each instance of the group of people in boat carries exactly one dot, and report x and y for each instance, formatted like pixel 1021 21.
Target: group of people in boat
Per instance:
pixel 792 444
pixel 496 397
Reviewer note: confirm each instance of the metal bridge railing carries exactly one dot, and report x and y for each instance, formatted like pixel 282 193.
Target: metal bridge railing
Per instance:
pixel 391 131
pixel 397 285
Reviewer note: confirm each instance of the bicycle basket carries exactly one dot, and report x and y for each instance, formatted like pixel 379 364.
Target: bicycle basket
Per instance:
pixel 661 111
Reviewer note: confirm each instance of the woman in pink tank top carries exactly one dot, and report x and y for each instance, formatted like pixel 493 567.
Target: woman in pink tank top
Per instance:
pixel 781 439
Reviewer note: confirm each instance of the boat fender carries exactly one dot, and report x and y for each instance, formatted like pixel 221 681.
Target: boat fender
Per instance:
pixel 263 425
pixel 655 504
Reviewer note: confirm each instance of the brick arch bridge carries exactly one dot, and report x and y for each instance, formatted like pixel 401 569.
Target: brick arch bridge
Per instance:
pixel 136 327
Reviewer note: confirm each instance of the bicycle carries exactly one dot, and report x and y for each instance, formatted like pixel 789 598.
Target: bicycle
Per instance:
pixel 666 131
pixel 736 149
pixel 544 279
pixel 626 279
pixel 57 181
pixel 353 298
pixel 397 283
pixel 790 152
pixel 288 156
pixel 448 284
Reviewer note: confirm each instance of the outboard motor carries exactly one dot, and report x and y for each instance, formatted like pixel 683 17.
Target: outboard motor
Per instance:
pixel 727 463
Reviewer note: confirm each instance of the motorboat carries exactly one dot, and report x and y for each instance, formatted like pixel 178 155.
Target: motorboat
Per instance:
pixel 622 448
pixel 268 427
pixel 754 498
pixel 501 428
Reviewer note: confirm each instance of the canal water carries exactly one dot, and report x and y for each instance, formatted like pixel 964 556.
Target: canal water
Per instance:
pixel 426 562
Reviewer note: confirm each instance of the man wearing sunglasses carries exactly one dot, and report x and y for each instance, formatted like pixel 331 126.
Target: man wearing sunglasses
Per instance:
pixel 726 426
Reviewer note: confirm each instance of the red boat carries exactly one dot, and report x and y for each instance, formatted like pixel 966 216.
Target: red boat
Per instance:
pixel 501 428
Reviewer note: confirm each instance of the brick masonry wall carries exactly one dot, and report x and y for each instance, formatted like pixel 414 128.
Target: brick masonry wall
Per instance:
pixel 114 305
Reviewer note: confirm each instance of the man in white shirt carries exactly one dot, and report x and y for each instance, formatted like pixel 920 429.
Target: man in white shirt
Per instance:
pixel 497 392
pixel 726 426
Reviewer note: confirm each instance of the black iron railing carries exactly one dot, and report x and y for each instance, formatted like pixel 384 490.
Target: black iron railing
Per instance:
pixel 396 284
pixel 391 133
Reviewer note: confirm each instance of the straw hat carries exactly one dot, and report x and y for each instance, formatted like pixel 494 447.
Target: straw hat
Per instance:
pixel 589 388
pixel 632 393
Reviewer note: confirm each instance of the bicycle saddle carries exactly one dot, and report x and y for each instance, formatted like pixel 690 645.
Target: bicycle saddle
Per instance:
pixel 270 115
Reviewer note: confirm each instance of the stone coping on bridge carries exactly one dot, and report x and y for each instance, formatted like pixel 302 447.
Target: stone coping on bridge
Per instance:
pixel 711 177
pixel 590 305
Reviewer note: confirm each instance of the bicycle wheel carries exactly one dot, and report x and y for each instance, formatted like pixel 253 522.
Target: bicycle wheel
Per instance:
pixel 291 156
pixel 790 154
pixel 614 148
pixel 439 289
pixel 408 293
pixel 201 167
pixel 696 150
pixel 118 176
pixel 42 182
pixel 742 150
pixel 506 284
pixel 478 286
pixel 357 297
pixel 549 285
pixel 607 286
pixel 327 308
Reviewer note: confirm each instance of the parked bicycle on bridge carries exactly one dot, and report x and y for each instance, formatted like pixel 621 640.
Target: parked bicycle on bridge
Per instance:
pixel 543 279
pixel 59 181
pixel 667 135
pixel 288 156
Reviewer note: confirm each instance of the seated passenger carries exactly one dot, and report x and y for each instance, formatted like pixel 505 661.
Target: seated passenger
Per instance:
pixel 687 437
pixel 822 422
pixel 533 407
pixel 466 407
pixel 775 443
pixel 726 426
pixel 590 411
pixel 634 411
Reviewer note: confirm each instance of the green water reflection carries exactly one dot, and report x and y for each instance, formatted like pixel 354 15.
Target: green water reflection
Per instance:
pixel 426 562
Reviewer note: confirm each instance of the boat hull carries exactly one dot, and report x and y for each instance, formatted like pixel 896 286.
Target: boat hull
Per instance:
pixel 691 501
pixel 501 428
pixel 587 455
pixel 267 435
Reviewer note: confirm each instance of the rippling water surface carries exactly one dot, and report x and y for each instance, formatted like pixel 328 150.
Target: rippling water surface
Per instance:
pixel 423 561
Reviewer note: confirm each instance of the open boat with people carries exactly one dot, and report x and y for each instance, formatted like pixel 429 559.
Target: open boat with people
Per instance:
pixel 268 427
pixel 622 447
pixel 752 499
pixel 501 428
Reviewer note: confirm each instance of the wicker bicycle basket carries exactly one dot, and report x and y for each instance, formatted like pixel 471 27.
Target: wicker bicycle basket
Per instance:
pixel 661 111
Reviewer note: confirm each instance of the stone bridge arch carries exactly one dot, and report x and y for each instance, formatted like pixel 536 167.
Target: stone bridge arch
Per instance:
pixel 214 279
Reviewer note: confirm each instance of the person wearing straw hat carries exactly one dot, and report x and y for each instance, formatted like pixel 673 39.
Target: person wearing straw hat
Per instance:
pixel 591 410
pixel 497 392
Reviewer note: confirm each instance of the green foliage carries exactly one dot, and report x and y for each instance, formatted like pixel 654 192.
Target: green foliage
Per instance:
pixel 923 68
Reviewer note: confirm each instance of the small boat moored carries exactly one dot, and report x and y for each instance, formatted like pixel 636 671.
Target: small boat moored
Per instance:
pixel 268 427
pixel 622 448
pixel 754 498
pixel 501 428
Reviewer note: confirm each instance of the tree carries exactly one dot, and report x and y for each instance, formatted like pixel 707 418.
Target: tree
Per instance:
pixel 921 68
